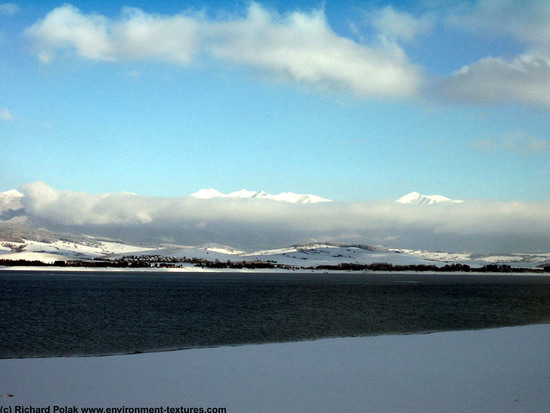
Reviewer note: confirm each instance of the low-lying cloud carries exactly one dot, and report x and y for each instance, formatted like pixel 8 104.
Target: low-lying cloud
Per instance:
pixel 262 223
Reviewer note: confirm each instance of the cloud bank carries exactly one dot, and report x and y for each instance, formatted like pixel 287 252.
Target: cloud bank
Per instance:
pixel 263 223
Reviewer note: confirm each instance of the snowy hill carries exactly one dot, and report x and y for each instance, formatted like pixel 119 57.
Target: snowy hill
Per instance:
pixel 414 198
pixel 297 256
pixel 243 193
pixel 63 250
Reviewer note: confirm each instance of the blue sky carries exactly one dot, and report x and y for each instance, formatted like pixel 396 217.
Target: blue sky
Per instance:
pixel 352 101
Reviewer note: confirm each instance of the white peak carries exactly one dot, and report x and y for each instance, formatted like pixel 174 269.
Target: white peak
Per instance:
pixel 207 194
pixel 261 194
pixel 299 198
pixel 412 198
pixel 12 193
pixel 418 199
pixel 10 200
pixel 245 194
pixel 314 199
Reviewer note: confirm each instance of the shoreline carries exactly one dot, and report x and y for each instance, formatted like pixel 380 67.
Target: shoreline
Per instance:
pixel 502 369
pixel 307 340
pixel 525 272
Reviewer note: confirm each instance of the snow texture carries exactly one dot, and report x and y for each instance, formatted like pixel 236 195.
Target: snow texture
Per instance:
pixel 243 193
pixel 498 370
pixel 415 198
pixel 309 255
pixel 64 250
pixel 10 200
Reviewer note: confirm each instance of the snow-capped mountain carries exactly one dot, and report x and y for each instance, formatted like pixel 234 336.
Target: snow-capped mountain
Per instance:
pixel 10 200
pixel 243 193
pixel 207 194
pixel 10 204
pixel 415 198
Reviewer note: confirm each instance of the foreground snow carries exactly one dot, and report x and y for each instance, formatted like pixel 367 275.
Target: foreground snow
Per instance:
pixel 500 370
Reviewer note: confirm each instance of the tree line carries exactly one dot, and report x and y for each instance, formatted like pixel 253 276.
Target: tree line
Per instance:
pixel 156 261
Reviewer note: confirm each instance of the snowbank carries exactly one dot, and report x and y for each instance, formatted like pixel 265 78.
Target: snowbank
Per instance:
pixel 499 370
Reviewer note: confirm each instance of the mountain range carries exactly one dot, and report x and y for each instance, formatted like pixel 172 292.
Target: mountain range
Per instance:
pixel 260 220
pixel 415 198
pixel 255 220
pixel 22 237
pixel 243 193
pixel 12 200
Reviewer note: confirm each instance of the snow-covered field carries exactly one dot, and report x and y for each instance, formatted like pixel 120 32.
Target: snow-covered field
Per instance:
pixel 326 254
pixel 498 370
pixel 299 256
pixel 64 250
pixel 514 259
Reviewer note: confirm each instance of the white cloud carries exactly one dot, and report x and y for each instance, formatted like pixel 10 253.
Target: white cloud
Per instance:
pixel 524 78
pixel 5 114
pixel 521 142
pixel 398 25
pixel 523 20
pixel 8 9
pixel 136 35
pixel 299 47
pixel 518 141
pixel 135 74
pixel 485 145
pixel 66 26
pixel 302 47
pixel 143 36
pixel 258 223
